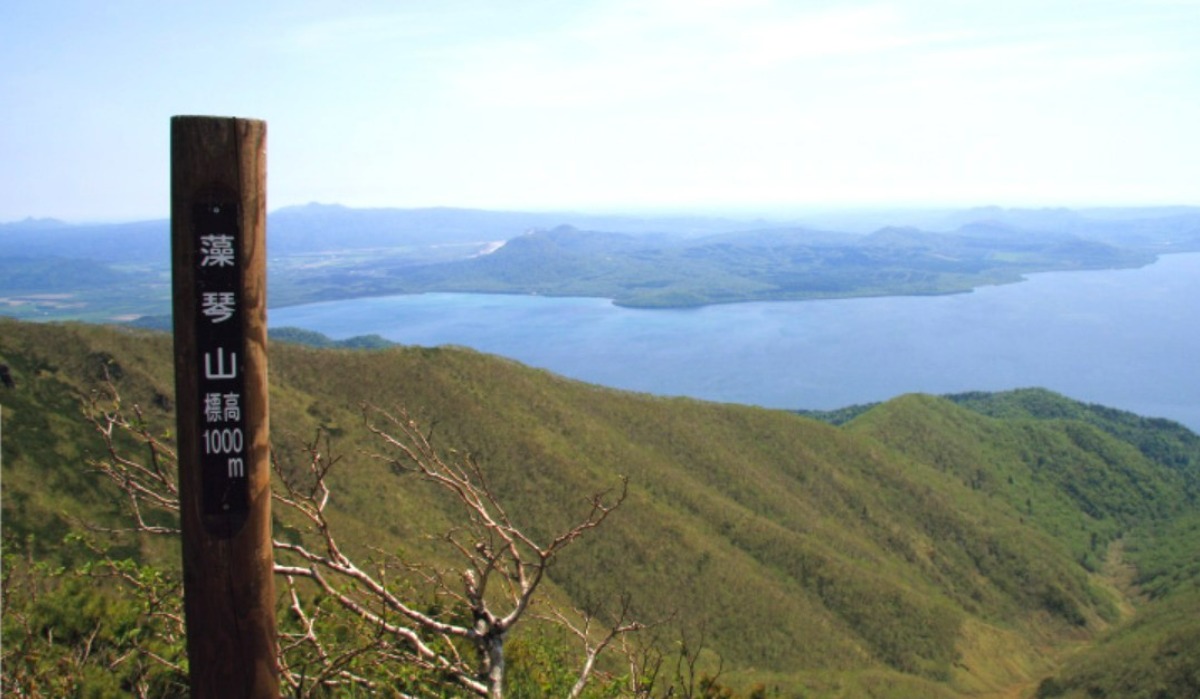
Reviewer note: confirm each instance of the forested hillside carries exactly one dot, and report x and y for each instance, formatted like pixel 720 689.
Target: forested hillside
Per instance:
pixel 760 265
pixel 987 546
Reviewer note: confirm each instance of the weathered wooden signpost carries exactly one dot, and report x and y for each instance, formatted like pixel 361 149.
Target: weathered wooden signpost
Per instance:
pixel 218 250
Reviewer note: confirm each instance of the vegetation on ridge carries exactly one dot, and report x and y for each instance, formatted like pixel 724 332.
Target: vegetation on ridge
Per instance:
pixel 888 557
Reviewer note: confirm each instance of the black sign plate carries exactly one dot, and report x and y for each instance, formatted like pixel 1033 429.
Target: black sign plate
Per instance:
pixel 220 353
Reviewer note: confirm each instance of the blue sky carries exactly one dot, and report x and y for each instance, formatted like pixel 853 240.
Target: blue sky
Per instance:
pixel 601 105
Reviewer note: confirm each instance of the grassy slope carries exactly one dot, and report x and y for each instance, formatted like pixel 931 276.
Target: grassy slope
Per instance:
pixel 922 550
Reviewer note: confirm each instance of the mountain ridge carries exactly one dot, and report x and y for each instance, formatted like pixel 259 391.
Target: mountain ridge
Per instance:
pixel 894 551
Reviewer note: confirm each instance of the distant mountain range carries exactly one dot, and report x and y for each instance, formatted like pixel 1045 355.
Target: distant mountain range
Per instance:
pixel 318 252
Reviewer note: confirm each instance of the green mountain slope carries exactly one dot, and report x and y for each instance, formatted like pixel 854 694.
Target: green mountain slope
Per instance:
pixel 1163 441
pixel 923 549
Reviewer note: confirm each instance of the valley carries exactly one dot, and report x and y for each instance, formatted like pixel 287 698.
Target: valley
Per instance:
pixel 932 547
pixel 891 540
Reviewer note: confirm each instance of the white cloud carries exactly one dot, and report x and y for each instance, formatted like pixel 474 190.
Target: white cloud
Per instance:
pixel 622 53
pixel 545 102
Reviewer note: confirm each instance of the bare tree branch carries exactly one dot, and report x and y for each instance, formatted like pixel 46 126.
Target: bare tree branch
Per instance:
pixel 593 645
pixel 153 485
pixel 491 549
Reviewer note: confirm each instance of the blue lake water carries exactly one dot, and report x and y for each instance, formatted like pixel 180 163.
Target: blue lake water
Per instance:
pixel 1125 338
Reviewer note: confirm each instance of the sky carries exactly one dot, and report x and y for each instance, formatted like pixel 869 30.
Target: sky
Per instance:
pixel 609 105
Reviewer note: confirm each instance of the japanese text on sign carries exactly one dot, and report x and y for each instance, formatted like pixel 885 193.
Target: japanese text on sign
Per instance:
pixel 220 339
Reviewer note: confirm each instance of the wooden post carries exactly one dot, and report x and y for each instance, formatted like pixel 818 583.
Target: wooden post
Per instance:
pixel 218 251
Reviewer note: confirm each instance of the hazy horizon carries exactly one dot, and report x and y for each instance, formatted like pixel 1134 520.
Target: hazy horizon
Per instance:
pixel 781 215
pixel 610 105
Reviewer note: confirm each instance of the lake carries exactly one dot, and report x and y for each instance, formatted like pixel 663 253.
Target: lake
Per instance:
pixel 1125 338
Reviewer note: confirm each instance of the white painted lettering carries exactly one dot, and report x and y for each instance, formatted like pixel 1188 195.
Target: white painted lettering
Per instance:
pixel 223 441
pixel 233 407
pixel 218 305
pixel 216 251
pixel 212 407
pixel 220 371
